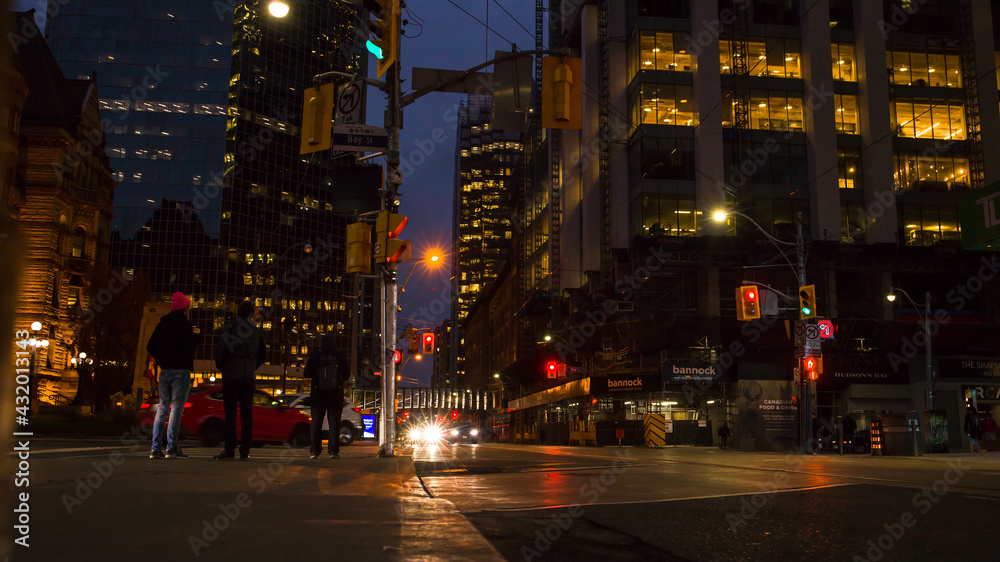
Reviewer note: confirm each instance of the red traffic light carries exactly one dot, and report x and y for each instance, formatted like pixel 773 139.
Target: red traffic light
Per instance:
pixel 397 356
pixel 454 414
pixel 751 295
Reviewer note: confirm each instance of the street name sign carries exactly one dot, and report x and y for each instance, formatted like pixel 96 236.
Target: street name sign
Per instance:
pixel 359 137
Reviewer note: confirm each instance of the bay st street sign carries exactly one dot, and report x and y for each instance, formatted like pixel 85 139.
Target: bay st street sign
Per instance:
pixel 359 137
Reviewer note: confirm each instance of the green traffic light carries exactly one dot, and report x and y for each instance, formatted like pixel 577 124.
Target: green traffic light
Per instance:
pixel 806 310
pixel 375 50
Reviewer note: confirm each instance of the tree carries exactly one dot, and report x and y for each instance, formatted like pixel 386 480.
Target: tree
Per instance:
pixel 109 335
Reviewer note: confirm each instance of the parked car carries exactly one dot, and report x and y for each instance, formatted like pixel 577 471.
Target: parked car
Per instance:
pixel 351 425
pixel 204 418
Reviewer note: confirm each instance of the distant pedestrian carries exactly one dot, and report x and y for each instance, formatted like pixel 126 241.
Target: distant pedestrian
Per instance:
pixel 327 368
pixel 172 346
pixel 724 436
pixel 974 428
pixel 848 426
pixel 239 351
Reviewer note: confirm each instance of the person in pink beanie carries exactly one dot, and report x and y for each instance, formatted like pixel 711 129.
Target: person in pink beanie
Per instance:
pixel 172 346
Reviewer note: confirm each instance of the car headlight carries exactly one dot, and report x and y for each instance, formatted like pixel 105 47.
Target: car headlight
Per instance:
pixel 474 432
pixel 454 432
pixel 416 434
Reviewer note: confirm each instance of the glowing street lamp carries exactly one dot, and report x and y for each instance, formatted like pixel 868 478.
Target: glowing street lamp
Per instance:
pixel 278 8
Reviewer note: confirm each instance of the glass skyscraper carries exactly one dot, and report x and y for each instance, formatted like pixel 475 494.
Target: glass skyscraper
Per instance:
pixel 202 103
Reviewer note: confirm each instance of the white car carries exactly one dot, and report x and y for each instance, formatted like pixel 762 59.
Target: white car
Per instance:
pixel 350 420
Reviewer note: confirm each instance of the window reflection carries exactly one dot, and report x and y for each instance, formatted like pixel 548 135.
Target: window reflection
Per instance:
pixel 843 62
pixel 924 69
pixel 781 58
pixel 929 119
pixel 661 50
pixel 917 171
pixel 924 225
pixel 668 215
pixel 664 104
pixel 775 111
pixel 846 114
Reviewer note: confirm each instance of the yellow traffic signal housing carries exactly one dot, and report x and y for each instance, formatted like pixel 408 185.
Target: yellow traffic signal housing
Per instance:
pixel 413 345
pixel 359 248
pixel 385 28
pixel 317 119
pixel 747 303
pixel 807 302
pixel 562 93
pixel 427 341
pixel 388 248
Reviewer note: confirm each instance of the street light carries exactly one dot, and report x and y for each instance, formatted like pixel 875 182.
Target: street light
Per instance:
pixel 434 257
pixel 926 319
pixel 34 343
pixel 278 8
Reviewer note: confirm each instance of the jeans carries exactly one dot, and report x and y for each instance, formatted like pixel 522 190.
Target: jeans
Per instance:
pixel 238 392
pixel 175 385
pixel 326 403
pixel 974 441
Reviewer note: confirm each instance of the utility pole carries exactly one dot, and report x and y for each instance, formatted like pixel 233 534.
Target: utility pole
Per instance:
pixel 927 356
pixel 805 391
pixel 393 178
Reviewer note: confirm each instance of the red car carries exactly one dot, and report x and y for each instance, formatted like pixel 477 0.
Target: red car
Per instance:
pixel 204 418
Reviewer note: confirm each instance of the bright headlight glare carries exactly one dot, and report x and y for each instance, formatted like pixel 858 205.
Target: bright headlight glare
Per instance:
pixel 454 432
pixel 474 432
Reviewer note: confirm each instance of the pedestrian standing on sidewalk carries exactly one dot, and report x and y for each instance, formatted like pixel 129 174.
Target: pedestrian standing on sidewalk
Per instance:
pixel 974 428
pixel 724 436
pixel 327 368
pixel 172 346
pixel 239 352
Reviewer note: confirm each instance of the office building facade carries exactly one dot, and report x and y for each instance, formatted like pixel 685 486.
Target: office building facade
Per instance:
pixel 869 120
pixel 205 102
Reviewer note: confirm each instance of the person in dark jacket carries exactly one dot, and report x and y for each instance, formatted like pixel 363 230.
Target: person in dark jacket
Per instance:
pixel 724 436
pixel 326 402
pixel 239 351
pixel 172 347
pixel 973 427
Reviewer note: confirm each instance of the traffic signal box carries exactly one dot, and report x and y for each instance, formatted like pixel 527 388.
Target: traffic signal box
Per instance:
pixel 747 303
pixel 413 345
pixel 812 367
pixel 385 29
pixel 388 248
pixel 427 343
pixel 555 369
pixel 317 119
pixel 807 302
pixel 562 93
pixel 359 248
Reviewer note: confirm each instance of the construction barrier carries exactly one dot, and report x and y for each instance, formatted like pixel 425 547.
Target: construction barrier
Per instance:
pixel 581 433
pixel 654 430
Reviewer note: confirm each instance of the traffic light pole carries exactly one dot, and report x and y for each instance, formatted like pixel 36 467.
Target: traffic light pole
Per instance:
pixel 393 178
pixel 805 391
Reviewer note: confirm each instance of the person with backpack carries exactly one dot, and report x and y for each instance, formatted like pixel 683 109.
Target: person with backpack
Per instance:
pixel 327 369
pixel 974 428
pixel 172 347
pixel 239 351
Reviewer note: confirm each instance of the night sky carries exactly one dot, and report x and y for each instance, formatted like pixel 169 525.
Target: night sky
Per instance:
pixel 449 39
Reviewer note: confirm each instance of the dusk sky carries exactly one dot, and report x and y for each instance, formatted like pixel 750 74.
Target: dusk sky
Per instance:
pixel 439 35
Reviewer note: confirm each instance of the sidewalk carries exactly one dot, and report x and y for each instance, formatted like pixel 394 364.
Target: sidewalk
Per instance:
pixel 114 504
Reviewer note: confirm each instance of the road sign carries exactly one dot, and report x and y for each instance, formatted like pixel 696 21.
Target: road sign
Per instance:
pixel 814 348
pixel 825 329
pixel 812 332
pixel 359 137
pixel 348 107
